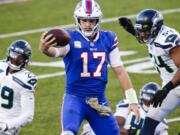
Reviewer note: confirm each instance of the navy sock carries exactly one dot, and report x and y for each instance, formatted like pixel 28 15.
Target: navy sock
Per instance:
pixel 149 126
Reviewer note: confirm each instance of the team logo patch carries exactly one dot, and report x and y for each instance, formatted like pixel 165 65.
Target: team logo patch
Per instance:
pixel 77 44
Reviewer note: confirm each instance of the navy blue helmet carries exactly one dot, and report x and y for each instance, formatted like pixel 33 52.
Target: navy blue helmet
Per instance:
pixel 148 24
pixel 19 54
pixel 147 93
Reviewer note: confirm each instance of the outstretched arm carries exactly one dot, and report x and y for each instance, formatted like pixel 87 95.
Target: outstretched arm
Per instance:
pixel 47 46
pixel 127 24
pixel 124 81
pixel 129 91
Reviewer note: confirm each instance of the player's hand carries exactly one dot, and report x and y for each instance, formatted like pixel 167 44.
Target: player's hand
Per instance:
pixel 132 131
pixel 127 24
pixel 134 108
pixel 46 42
pixel 102 110
pixel 159 97
pixel 3 127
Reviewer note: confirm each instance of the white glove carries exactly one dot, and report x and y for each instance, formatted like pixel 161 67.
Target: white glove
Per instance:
pixel 102 110
pixel 3 127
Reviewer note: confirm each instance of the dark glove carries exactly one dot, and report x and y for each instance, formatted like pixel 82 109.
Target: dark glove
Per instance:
pixel 132 131
pixel 127 24
pixel 161 95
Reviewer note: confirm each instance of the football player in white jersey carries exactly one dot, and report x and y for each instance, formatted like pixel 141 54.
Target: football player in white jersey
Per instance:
pixel 163 44
pixel 126 122
pixel 17 86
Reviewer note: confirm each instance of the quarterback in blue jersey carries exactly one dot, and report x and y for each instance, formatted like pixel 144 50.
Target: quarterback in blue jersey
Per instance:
pixel 86 59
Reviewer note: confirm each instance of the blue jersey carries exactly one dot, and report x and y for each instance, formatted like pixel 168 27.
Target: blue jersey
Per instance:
pixel 86 63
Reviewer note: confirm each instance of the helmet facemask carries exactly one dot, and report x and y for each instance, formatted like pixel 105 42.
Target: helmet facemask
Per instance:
pixel 94 28
pixel 145 102
pixel 143 32
pixel 87 10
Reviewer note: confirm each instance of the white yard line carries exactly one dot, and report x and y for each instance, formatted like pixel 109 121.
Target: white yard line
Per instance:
pixel 44 76
pixel 173 119
pixel 12 1
pixel 13 34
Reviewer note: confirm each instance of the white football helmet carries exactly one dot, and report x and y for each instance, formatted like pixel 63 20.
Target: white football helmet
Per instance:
pixel 87 9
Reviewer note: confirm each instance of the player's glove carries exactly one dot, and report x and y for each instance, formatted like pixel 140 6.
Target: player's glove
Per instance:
pixel 102 110
pixel 127 24
pixel 161 95
pixel 132 131
pixel 3 127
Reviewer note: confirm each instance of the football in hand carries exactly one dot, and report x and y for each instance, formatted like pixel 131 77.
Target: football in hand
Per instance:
pixel 61 35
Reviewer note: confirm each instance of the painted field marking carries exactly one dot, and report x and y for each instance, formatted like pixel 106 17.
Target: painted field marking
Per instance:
pixel 13 34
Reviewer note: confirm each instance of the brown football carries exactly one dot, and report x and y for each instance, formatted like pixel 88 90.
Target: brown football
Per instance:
pixel 61 35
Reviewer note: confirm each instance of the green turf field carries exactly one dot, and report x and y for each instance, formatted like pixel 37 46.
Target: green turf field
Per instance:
pixel 37 14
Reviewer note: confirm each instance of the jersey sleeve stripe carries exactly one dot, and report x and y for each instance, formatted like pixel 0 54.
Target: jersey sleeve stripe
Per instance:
pixel 114 46
pixel 21 83
pixel 163 46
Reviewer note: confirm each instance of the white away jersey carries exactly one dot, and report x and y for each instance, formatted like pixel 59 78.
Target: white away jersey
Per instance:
pixel 12 88
pixel 159 51
pixel 122 111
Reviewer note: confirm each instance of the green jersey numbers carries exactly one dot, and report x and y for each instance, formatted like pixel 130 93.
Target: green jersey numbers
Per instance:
pixel 7 94
pixel 159 62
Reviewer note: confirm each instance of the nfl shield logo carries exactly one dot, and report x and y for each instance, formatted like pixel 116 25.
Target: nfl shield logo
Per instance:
pixel 77 44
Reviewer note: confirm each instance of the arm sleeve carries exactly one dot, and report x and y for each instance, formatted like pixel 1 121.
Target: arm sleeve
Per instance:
pixel 27 111
pixel 115 59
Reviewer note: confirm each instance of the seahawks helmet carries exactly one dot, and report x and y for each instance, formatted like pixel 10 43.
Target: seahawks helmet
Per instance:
pixel 148 24
pixel 19 54
pixel 147 93
pixel 87 9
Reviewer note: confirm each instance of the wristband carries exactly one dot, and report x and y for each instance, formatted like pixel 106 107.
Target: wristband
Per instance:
pixel 168 86
pixel 131 96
